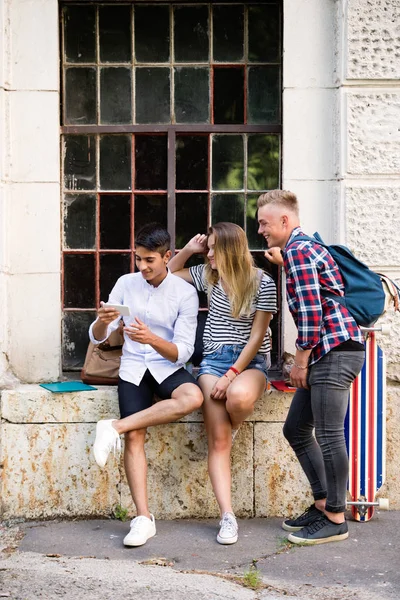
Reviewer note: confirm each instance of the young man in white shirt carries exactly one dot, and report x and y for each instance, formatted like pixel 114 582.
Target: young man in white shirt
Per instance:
pixel 159 340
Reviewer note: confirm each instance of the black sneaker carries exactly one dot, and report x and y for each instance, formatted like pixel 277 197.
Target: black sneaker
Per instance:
pixel 320 531
pixel 309 516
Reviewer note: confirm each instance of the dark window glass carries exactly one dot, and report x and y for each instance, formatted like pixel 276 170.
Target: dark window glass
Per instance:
pixel 192 162
pixel 227 161
pixel 76 337
pixel 80 96
pixel 256 241
pixel 80 221
pixel 152 33
pixel 153 95
pixel 151 162
pixel 115 221
pixel 112 266
pixel 227 207
pixel 115 33
pixel 79 281
pixel 115 162
pixel 264 95
pixel 264 33
pixel 229 95
pixel 192 95
pixel 79 34
pixel 263 162
pixel 191 216
pixel 228 33
pixel 115 96
pixel 150 208
pixel 80 162
pixel 191 33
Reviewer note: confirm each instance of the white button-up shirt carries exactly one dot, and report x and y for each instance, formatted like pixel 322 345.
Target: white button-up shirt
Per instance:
pixel 169 311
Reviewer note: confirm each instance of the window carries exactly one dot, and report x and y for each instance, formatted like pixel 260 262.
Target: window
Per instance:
pixel 171 113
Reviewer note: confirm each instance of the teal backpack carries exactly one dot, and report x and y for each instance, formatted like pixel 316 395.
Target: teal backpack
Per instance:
pixel 366 294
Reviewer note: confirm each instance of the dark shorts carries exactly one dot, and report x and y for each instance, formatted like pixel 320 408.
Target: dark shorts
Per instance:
pixel 133 398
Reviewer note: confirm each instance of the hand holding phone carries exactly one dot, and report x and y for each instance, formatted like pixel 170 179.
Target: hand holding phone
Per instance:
pixel 121 308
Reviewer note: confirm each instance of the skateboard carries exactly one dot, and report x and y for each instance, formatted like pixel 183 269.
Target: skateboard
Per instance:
pixel 365 430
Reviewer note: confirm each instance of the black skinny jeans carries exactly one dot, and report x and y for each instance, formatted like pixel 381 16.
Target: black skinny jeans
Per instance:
pixel 323 407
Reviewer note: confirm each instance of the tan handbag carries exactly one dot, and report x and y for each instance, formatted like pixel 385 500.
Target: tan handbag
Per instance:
pixel 102 362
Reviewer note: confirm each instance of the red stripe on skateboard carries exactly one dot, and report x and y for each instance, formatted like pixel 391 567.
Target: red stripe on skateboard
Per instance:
pixel 371 421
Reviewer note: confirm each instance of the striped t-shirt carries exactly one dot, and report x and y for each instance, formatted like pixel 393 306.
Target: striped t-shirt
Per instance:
pixel 221 328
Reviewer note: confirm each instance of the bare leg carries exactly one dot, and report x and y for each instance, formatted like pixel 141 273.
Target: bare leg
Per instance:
pixel 136 470
pixel 185 399
pixel 242 395
pixel 218 427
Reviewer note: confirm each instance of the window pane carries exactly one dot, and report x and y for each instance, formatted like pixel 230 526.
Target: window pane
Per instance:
pixel 192 95
pixel 80 221
pixel 256 241
pixel 152 33
pixel 79 162
pixel 115 221
pixel 80 96
pixel 264 95
pixel 150 208
pixel 228 33
pixel 115 96
pixel 191 33
pixel 264 33
pixel 115 33
pixel 79 34
pixel 79 281
pixel 227 162
pixel 153 95
pixel 76 338
pixel 115 162
pixel 263 162
pixel 229 95
pixel 151 162
pixel 191 216
pixel 228 207
pixel 112 266
pixel 192 162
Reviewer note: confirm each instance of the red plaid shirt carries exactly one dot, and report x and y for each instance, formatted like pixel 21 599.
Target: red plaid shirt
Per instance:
pixel 321 322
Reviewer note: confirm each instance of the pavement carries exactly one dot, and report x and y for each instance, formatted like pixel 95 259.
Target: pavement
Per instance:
pixel 85 560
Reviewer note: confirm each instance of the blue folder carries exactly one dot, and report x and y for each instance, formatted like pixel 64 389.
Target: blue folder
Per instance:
pixel 67 386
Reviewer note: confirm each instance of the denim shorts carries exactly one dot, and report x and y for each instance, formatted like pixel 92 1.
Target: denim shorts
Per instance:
pixel 218 362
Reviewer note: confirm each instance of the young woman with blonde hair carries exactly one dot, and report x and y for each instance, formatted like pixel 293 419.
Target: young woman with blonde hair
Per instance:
pixel 237 346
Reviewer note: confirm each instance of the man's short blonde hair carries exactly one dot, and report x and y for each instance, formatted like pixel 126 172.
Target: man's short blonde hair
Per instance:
pixel 282 198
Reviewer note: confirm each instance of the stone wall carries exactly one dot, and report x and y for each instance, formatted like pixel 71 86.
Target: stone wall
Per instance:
pixel 47 467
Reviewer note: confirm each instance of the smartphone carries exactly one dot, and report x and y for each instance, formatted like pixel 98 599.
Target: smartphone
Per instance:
pixel 122 308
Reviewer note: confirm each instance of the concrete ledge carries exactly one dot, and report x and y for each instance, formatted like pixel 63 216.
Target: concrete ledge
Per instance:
pixel 47 469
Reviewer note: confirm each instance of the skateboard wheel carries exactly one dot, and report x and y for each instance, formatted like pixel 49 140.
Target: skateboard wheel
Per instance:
pixel 383 503
pixel 385 329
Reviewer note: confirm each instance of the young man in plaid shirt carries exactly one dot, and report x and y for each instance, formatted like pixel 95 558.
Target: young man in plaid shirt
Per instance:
pixel 329 355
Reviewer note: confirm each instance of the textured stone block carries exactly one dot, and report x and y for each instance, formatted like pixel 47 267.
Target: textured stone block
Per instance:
pixel 48 471
pixel 281 488
pixel 392 486
pixel 373 224
pixel 373 39
pixel 373 133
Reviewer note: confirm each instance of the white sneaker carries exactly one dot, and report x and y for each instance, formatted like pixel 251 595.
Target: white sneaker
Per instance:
pixel 228 533
pixel 142 529
pixel 107 439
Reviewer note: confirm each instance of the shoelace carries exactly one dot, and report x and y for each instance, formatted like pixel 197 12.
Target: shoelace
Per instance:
pixel 318 524
pixel 115 445
pixel 306 513
pixel 228 525
pixel 136 522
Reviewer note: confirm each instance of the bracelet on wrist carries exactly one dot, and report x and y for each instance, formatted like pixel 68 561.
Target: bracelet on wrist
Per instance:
pixel 228 378
pixel 234 370
pixel 300 367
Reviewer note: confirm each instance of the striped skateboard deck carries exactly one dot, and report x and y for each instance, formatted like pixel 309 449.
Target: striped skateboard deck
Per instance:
pixel 365 430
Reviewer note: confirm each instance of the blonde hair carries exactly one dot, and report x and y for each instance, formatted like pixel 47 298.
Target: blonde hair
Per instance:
pixel 279 198
pixel 235 267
